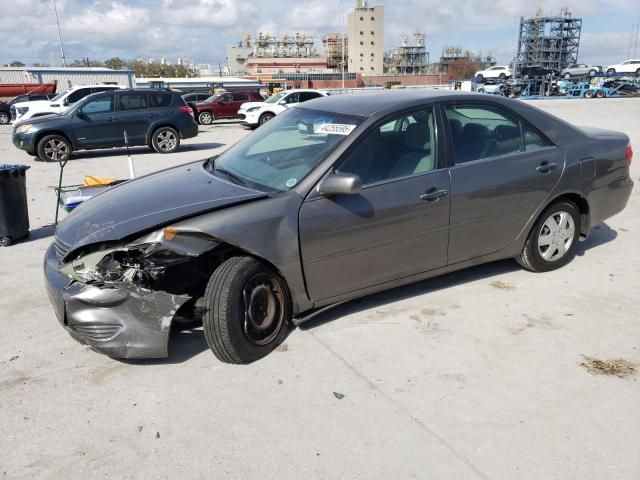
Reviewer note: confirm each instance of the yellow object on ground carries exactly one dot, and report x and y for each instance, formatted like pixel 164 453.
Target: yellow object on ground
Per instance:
pixel 91 181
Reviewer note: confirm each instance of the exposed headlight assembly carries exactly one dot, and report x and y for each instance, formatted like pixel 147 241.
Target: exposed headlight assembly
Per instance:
pixel 24 128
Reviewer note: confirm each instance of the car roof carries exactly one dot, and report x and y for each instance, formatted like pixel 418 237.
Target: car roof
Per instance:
pixel 366 104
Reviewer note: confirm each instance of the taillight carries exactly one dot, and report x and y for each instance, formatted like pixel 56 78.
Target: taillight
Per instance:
pixel 629 154
pixel 186 109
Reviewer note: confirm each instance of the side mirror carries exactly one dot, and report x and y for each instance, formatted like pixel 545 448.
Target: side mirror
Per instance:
pixel 79 113
pixel 340 184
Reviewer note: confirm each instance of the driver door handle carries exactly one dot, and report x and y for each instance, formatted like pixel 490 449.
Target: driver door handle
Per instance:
pixel 546 167
pixel 434 195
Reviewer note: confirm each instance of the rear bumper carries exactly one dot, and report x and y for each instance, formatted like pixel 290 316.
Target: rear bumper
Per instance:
pixel 609 200
pixel 121 321
pixel 190 131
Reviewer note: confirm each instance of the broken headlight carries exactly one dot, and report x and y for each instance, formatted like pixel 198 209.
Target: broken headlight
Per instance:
pixel 110 265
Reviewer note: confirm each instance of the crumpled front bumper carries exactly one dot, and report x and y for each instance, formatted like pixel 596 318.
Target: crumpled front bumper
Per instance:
pixel 119 319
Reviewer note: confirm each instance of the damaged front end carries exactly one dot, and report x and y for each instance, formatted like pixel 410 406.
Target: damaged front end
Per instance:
pixel 122 299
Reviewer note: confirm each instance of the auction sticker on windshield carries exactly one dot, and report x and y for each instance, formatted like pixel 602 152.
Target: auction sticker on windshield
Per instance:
pixel 336 128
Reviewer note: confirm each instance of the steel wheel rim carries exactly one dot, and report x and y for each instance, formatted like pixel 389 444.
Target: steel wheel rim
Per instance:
pixel 556 236
pixel 264 312
pixel 205 118
pixel 166 141
pixel 56 150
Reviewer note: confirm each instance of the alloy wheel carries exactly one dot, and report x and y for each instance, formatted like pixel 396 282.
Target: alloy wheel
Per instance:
pixel 4 118
pixel 556 236
pixel 205 118
pixel 167 141
pixel 56 150
pixel 264 308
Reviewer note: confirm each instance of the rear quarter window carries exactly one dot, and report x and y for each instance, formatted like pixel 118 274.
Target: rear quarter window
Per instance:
pixel 160 100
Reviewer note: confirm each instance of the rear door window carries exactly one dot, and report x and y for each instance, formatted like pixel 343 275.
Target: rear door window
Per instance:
pixel 240 97
pixel 132 101
pixel 482 131
pixel 292 98
pixel 159 100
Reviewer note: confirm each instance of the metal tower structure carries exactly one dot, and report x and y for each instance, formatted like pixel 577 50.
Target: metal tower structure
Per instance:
pixel 549 42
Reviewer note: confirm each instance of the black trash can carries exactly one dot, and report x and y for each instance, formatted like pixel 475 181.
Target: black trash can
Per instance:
pixel 14 212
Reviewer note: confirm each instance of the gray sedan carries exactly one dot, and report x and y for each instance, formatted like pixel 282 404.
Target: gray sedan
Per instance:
pixel 334 199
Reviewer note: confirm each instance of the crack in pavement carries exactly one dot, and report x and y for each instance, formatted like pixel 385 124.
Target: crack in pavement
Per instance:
pixel 412 417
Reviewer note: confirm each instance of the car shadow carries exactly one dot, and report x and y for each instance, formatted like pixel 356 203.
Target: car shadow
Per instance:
pixel 135 151
pixel 38 234
pixel 599 236
pixel 183 345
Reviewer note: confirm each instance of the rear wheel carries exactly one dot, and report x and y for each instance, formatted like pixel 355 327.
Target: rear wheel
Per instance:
pixel 54 148
pixel 593 73
pixel 600 94
pixel 588 94
pixel 638 72
pixel 165 140
pixel 266 117
pixel 205 118
pixel 567 76
pixel 4 118
pixel 248 310
pixel 611 71
pixel 553 239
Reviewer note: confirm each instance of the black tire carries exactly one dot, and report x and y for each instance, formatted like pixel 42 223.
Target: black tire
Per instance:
pixel 593 73
pixel 567 76
pixel 5 241
pixel 588 94
pixel 638 72
pixel 165 140
pixel 532 258
pixel 480 78
pixel 611 71
pixel 265 117
pixel 230 329
pixel 502 76
pixel 205 118
pixel 600 94
pixel 54 148
pixel 5 118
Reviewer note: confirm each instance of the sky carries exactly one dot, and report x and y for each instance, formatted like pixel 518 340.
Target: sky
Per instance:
pixel 202 29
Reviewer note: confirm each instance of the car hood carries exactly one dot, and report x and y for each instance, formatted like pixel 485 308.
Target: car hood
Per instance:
pixel 150 202
pixel 32 105
pixel 248 105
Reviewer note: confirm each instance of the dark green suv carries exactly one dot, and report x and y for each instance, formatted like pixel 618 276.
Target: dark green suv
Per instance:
pixel 157 118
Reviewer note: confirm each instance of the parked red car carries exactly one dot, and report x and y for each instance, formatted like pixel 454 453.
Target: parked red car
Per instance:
pixel 223 105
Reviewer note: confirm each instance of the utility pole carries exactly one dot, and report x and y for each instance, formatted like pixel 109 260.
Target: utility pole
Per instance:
pixel 344 66
pixel 55 9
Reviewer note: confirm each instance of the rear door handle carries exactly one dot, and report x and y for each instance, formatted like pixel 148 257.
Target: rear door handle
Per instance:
pixel 434 195
pixel 546 167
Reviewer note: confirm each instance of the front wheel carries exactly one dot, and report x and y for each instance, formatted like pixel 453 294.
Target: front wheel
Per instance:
pixel 502 76
pixel 553 239
pixel 165 140
pixel 54 148
pixel 266 117
pixel 205 118
pixel 611 71
pixel 638 72
pixel 4 118
pixel 588 94
pixel 567 76
pixel 248 310
pixel 593 73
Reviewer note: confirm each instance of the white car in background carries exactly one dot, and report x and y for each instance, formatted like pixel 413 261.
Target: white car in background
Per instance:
pixel 497 71
pixel 58 104
pixel 628 66
pixel 254 114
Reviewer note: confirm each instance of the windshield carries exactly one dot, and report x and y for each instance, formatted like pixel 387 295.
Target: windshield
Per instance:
pixel 275 98
pixel 58 97
pixel 212 98
pixel 283 151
